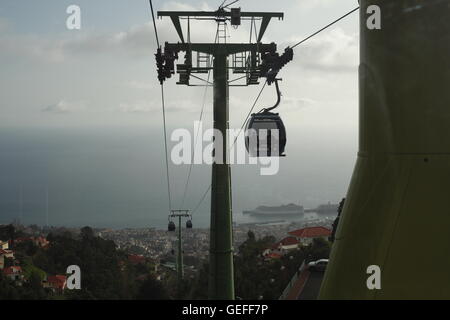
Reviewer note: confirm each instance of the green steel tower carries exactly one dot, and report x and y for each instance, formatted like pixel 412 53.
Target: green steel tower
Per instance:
pixel 243 59
pixel 397 210
pixel 174 214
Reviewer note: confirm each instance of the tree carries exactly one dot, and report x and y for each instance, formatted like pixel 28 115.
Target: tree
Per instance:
pixel 200 286
pixel 320 249
pixel 7 232
pixel 34 289
pixel 152 289
pixel 87 233
pixel 28 247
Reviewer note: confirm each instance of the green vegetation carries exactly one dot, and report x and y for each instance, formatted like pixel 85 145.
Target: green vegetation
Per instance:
pixel 257 278
pixel 106 272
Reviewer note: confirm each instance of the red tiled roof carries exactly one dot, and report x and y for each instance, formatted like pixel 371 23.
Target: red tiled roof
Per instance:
pixel 311 232
pixel 136 259
pixel 274 255
pixel 57 281
pixel 23 239
pixel 12 270
pixel 41 239
pixel 5 252
pixel 289 241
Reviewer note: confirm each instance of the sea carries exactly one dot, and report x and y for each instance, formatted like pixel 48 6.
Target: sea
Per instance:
pixel 115 178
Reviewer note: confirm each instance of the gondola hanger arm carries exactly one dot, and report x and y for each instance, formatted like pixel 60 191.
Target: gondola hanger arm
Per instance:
pixel 278 98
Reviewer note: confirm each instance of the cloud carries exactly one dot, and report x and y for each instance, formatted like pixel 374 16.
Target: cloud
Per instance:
pixel 312 4
pixel 172 105
pixel 139 85
pixel 34 48
pixel 295 104
pixel 137 107
pixel 63 106
pixel 333 51
pixel 138 41
pixel 180 6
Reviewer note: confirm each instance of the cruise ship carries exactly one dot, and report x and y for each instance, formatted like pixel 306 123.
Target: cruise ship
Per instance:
pixel 329 208
pixel 289 210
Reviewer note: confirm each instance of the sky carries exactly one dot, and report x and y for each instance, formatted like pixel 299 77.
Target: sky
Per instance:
pixel 102 78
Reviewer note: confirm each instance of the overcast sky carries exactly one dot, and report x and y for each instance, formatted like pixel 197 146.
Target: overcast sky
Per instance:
pixel 105 72
pixel 104 75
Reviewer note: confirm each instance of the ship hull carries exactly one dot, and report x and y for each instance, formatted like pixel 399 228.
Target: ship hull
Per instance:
pixel 273 214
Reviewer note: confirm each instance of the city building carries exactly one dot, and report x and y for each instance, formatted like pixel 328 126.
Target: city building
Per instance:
pixel 55 283
pixel 4 245
pixel 306 235
pixel 13 273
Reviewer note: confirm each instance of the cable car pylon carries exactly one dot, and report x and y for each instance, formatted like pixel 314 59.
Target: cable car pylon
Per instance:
pixel 171 228
pixel 254 60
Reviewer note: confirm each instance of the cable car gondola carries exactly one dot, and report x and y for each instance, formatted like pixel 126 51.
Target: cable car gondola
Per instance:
pixel 259 138
pixel 171 227
pixel 189 224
